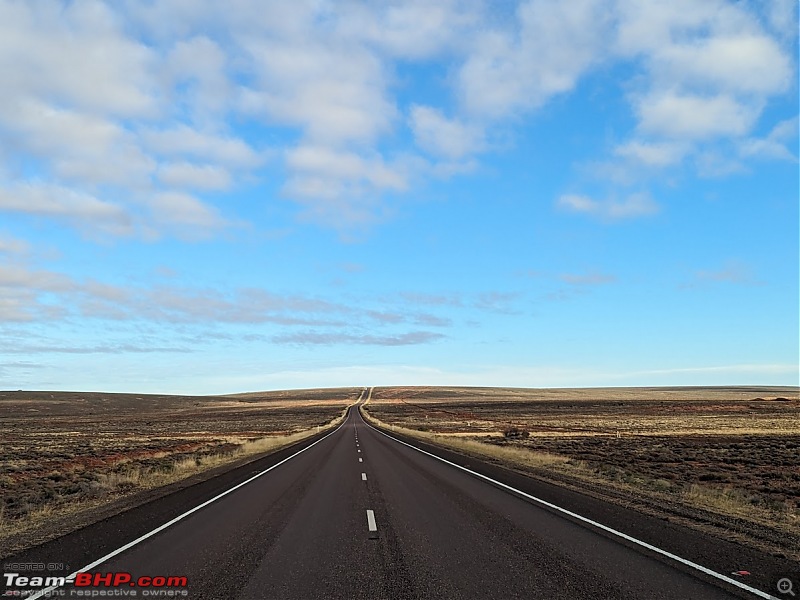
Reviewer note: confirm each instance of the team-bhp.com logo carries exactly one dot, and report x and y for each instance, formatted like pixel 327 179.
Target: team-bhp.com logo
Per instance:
pixel 94 585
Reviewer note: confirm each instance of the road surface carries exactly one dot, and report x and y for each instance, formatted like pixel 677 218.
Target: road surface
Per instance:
pixel 357 514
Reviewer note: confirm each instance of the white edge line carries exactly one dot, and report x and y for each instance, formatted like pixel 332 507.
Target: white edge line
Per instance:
pixel 129 545
pixel 371 521
pixel 605 528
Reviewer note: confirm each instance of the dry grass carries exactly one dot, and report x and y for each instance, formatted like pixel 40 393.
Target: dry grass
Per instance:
pixel 92 449
pixel 596 411
pixel 728 500
pixel 731 451
pixel 511 455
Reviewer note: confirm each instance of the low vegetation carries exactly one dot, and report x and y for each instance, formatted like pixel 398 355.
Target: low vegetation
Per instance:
pixel 67 452
pixel 730 452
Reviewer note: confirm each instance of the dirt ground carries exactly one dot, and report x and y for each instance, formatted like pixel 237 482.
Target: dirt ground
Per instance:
pixel 734 451
pixel 726 451
pixel 62 448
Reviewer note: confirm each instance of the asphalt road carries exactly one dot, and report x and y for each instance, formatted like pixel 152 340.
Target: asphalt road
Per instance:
pixel 357 514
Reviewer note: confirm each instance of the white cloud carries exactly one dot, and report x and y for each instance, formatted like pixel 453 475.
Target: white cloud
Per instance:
pixel 587 279
pixel 652 154
pixel 432 299
pixel 520 68
pixel 145 347
pixel 786 129
pixel 197 67
pixel 324 162
pixel 733 272
pixel 84 210
pixel 328 339
pixel 21 292
pixel 139 99
pixel 414 29
pixel 711 47
pixel 84 147
pixel 713 163
pixel 644 27
pixel 82 95
pixel 707 71
pixel 200 177
pixel 688 116
pixel 183 140
pixel 443 137
pixel 186 212
pixel 782 17
pixel 77 55
pixel 775 144
pixel 340 188
pixel 633 206
pixel 32 294
pixel 744 62
pixel 15 276
pixel 13 246
pixel 332 89
pixel 498 302
pixel 70 78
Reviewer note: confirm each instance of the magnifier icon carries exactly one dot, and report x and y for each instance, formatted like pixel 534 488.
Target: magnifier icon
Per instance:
pixel 785 586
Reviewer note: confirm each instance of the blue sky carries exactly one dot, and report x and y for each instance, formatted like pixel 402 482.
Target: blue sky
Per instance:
pixel 204 197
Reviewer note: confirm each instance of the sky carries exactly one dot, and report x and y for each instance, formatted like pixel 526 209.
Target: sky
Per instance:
pixel 208 197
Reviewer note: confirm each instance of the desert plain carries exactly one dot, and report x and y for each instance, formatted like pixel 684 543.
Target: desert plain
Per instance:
pixel 722 459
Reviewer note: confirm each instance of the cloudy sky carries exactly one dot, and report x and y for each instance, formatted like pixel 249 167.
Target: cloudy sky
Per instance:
pixel 205 197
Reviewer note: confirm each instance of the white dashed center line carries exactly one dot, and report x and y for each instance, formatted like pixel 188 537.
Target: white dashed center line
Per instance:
pixel 371 521
pixel 360 460
pixel 363 477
